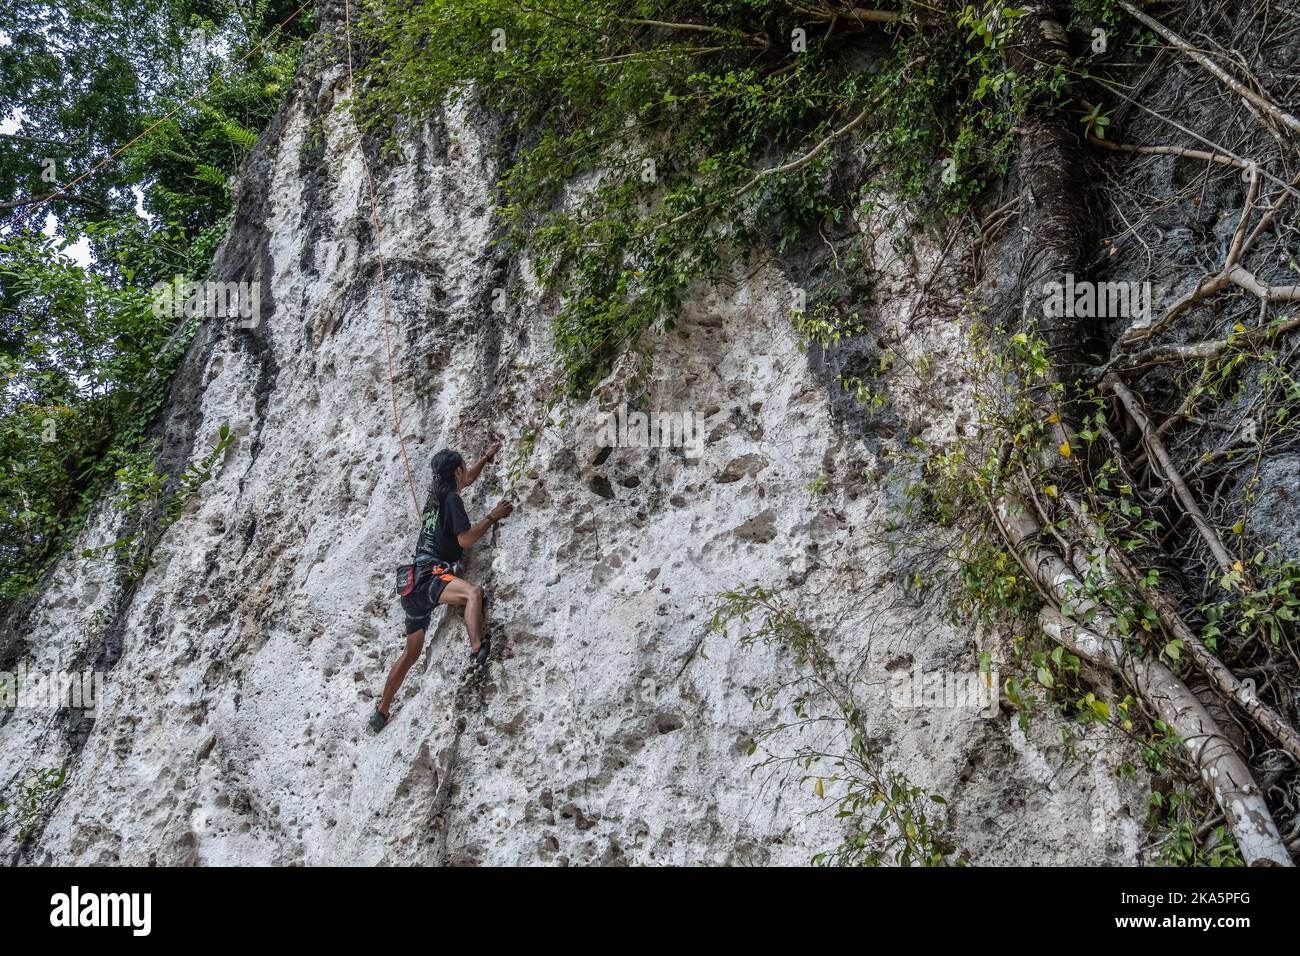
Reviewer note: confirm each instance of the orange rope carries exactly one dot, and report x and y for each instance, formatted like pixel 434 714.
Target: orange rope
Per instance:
pixel 379 254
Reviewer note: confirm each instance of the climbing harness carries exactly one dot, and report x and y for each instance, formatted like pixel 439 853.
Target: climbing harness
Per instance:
pixel 409 574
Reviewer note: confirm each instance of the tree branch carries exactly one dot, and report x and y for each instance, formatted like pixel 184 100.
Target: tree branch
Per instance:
pixel 1221 158
pixel 1166 609
pixel 1221 768
pixel 1217 71
pixel 1161 354
pixel 1158 451
pixel 65 197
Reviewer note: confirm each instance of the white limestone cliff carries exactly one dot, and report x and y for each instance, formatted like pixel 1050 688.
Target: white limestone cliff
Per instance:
pixel 609 728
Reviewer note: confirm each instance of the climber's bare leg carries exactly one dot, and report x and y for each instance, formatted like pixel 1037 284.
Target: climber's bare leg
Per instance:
pixel 470 597
pixel 414 642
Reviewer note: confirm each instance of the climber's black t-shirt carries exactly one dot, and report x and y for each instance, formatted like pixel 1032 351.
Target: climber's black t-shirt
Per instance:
pixel 439 529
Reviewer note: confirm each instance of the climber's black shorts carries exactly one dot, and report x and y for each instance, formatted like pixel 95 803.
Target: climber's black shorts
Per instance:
pixel 430 579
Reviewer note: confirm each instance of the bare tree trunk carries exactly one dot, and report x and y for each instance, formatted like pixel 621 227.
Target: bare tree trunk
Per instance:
pixel 1052 169
pixel 1220 766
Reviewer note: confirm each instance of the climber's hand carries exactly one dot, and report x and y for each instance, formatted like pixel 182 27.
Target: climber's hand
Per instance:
pixel 502 510
pixel 473 471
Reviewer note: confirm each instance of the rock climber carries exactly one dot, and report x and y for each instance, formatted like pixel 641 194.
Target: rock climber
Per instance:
pixel 445 533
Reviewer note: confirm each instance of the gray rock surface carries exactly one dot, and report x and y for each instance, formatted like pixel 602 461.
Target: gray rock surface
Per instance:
pixel 609 729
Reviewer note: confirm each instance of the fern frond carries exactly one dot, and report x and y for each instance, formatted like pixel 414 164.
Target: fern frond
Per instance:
pixel 242 137
pixel 209 174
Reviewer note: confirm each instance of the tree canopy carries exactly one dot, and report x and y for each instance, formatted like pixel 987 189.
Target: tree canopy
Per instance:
pixel 186 86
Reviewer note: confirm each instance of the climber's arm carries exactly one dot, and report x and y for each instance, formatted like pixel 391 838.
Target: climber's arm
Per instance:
pixel 473 471
pixel 468 537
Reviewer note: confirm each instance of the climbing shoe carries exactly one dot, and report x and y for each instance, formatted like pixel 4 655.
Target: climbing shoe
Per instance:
pixel 480 656
pixel 378 721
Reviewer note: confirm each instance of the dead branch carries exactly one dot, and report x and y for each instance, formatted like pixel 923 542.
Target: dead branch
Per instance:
pixel 1222 159
pixel 1269 293
pixel 1222 770
pixel 1210 349
pixel 1218 148
pixel 1239 234
pixel 1217 71
pixel 1232 273
pixel 1157 449
pixel 755 38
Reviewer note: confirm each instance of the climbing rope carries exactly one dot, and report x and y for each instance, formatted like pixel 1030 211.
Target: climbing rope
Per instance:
pixel 379 255
pixel 370 184
pixel 383 286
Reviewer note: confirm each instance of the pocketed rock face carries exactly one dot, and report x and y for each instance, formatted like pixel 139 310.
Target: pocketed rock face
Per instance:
pixel 608 729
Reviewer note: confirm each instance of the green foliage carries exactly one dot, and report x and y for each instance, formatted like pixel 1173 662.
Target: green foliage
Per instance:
pixel 210 175
pixel 697 131
pixel 824 328
pixel 147 506
pixel 886 817
pixel 84 359
pixel 1096 122
pixel 1267 606
pixel 84 77
pixel 79 355
pixel 37 790
pixel 1124 36
pixel 1176 816
pixel 244 139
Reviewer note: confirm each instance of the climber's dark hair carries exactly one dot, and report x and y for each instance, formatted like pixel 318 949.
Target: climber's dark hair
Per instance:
pixel 444 467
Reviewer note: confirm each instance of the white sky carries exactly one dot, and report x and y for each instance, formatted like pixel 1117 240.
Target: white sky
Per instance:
pixel 79 251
